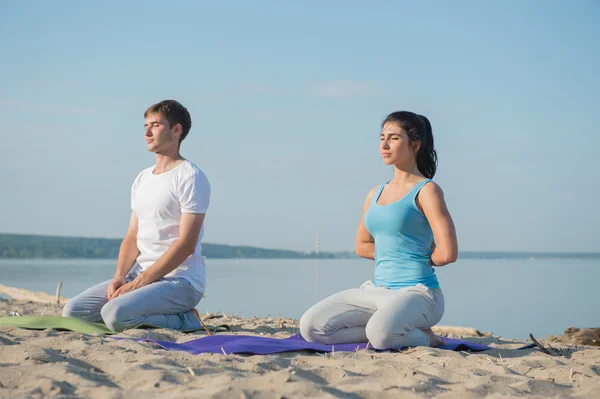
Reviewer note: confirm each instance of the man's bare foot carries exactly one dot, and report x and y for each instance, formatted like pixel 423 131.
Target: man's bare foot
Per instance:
pixel 434 340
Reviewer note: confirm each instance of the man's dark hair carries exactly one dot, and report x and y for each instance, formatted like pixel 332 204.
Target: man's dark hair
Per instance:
pixel 173 112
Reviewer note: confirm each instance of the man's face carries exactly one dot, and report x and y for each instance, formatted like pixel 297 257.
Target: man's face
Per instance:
pixel 160 136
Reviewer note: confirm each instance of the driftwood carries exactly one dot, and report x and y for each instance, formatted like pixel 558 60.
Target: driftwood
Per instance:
pixel 539 345
pixel 58 287
pixel 21 294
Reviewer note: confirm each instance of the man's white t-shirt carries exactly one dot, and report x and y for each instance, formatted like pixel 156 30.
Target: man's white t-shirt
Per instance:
pixel 159 201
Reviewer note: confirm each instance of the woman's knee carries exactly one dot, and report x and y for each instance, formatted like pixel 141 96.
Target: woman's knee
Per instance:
pixel 320 327
pixel 383 335
pixel 315 327
pixel 379 335
pixel 309 330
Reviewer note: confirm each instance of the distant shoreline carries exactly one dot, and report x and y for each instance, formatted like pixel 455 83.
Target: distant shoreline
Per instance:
pixel 29 246
pixel 472 256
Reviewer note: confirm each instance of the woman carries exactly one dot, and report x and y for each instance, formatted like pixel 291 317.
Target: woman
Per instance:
pixel 407 229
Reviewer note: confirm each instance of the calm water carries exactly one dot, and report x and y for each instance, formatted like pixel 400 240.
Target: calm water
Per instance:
pixel 509 297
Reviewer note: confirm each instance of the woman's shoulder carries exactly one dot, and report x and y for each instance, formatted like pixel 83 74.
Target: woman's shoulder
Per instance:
pixel 431 188
pixel 373 191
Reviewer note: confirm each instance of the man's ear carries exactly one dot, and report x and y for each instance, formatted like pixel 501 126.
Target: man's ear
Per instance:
pixel 177 130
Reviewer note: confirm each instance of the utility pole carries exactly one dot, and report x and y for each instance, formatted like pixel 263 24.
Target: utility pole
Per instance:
pixel 317 243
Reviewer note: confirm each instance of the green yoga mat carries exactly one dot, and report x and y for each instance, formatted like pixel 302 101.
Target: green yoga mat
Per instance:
pixel 71 324
pixel 56 322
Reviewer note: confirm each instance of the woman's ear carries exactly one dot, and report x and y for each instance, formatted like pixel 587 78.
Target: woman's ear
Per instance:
pixel 416 146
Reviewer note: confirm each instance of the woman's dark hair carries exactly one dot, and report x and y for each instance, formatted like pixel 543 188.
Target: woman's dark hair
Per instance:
pixel 418 128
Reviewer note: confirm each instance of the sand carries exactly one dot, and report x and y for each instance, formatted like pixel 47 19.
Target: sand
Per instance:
pixel 35 364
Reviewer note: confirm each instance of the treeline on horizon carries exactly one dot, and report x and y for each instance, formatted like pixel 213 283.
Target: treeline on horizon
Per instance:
pixel 54 247
pixel 21 246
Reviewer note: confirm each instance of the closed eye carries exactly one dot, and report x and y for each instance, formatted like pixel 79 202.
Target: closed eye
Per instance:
pixel 393 136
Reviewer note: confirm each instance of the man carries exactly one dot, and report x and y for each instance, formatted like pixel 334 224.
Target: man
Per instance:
pixel 163 241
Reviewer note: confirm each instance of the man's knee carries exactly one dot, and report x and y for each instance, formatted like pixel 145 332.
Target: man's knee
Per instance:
pixel 69 309
pixel 116 317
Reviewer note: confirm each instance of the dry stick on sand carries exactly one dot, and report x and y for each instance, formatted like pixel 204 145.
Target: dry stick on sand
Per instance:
pixel 58 287
pixel 195 312
pixel 204 326
pixel 539 345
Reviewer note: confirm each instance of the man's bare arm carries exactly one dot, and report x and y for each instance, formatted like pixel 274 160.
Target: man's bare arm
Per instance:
pixel 128 252
pixel 189 232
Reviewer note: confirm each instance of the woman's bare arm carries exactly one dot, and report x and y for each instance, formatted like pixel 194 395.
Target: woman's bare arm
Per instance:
pixel 433 205
pixel 365 244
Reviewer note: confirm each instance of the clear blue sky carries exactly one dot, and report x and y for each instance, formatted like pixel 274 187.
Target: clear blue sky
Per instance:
pixel 286 101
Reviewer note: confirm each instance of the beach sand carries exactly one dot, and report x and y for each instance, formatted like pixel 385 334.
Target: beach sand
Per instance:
pixel 62 364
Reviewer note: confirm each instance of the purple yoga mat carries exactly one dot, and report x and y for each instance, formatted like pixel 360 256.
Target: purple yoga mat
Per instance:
pixel 229 344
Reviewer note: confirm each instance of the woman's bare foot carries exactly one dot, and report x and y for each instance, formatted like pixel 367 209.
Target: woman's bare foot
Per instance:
pixel 434 340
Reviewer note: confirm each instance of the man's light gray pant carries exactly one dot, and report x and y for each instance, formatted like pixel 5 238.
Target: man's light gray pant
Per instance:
pixel 383 317
pixel 166 303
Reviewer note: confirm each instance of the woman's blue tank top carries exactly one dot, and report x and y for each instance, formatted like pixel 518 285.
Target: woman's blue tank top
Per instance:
pixel 403 239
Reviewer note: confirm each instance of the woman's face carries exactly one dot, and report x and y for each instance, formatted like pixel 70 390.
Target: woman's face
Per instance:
pixel 396 147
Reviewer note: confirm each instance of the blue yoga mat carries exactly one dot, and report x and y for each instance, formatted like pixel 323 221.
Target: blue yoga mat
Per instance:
pixel 229 344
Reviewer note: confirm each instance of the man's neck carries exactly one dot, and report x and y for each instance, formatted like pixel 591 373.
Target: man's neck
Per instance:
pixel 165 163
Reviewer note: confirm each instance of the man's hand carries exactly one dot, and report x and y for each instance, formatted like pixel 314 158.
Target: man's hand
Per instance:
pixel 114 286
pixel 124 289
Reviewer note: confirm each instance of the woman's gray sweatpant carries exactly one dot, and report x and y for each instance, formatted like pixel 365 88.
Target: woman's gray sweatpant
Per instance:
pixel 166 303
pixel 385 318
